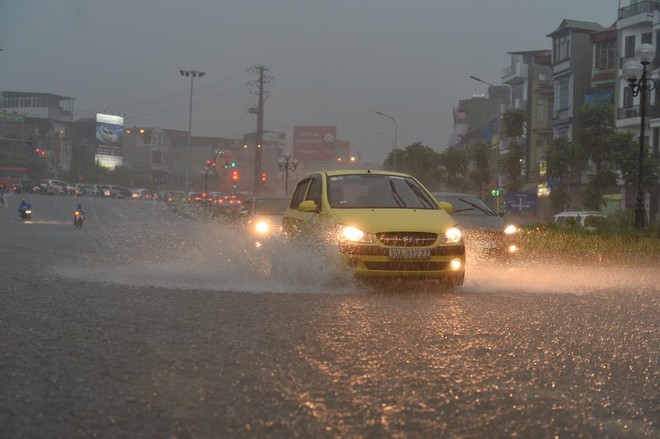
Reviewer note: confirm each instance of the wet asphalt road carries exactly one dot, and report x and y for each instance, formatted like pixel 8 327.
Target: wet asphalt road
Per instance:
pixel 146 324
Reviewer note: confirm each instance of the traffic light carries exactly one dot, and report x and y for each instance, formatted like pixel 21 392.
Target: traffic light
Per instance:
pixel 226 164
pixel 495 192
pixel 37 151
pixel 264 177
pixel 233 164
pixel 234 177
pixel 208 163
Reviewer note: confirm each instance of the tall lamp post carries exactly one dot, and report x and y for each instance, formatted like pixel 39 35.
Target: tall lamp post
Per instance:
pixel 635 71
pixel 192 74
pixel 286 165
pixel 499 144
pixel 391 118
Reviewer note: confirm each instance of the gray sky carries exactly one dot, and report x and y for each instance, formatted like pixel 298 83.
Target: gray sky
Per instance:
pixel 333 62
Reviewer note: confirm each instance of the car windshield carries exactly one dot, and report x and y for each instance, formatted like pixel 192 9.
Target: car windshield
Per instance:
pixel 468 205
pixel 372 191
pixel 270 206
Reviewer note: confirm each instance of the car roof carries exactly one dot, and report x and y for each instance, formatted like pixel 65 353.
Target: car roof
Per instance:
pixel 337 172
pixel 579 213
pixel 452 194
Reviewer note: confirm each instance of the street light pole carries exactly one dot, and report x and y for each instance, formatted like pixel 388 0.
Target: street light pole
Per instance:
pixel 499 144
pixel 285 163
pixel 393 120
pixel 192 74
pixel 635 71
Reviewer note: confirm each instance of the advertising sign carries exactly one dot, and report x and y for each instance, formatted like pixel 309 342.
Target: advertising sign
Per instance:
pixel 314 143
pixel 109 133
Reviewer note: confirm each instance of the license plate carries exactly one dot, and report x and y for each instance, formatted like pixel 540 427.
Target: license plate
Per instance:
pixel 410 253
pixel 486 244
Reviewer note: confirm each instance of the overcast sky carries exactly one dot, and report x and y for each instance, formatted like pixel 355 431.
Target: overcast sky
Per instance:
pixel 332 62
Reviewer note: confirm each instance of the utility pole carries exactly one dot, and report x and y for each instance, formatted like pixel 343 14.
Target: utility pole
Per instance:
pixel 263 79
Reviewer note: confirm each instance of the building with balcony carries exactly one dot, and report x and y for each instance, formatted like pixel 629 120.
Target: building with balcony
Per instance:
pixel 638 23
pixel 530 77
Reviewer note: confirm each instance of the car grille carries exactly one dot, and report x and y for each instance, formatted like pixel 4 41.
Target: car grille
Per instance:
pixel 372 250
pixel 406 265
pixel 407 239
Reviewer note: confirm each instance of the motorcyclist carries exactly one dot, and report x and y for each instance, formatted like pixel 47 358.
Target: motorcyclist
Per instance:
pixel 24 206
pixel 79 211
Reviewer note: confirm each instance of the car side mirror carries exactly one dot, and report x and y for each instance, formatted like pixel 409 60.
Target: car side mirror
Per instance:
pixel 446 206
pixel 307 206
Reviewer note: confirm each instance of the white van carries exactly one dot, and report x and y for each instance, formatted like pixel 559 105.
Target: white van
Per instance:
pixel 588 219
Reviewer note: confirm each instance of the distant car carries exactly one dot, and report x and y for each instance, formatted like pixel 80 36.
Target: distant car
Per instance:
pixel 264 216
pixel 141 194
pixel 385 225
pixel 55 187
pixel 486 233
pixel 227 205
pixel 87 189
pixel 589 220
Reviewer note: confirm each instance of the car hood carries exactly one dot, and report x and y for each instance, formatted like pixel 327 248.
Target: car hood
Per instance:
pixel 396 220
pixel 481 222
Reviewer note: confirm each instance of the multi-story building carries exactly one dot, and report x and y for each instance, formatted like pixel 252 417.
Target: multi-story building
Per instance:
pixel 638 23
pixel 47 120
pixel 572 54
pixel 529 76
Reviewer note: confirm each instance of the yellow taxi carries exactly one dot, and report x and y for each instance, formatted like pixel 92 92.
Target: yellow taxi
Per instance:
pixel 385 224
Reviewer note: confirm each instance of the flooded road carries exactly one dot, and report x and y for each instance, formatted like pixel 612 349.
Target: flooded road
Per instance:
pixel 149 324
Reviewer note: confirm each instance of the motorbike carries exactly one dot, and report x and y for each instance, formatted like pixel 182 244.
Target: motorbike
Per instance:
pixel 78 219
pixel 25 214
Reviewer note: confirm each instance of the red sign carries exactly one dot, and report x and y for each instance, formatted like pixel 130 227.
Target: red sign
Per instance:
pixel 314 143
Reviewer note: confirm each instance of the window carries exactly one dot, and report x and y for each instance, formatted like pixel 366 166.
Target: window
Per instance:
pixel 605 55
pixel 627 98
pixel 561 48
pixel 629 49
pixel 647 38
pixel 314 192
pixel 299 195
pixel 562 94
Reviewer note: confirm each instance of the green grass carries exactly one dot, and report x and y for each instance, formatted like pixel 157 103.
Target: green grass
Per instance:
pixel 617 242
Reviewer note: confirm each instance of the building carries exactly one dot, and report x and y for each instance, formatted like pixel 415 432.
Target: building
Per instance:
pixel 638 23
pixel 46 120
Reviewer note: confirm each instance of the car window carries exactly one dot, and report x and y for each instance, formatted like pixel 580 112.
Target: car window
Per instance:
pixel 377 191
pixel 468 205
pixel 299 194
pixel 315 190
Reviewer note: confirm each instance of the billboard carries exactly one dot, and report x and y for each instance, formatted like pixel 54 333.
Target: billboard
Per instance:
pixel 314 143
pixel 109 135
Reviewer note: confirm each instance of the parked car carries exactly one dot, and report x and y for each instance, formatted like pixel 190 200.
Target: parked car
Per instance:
pixel 486 233
pixel 384 224
pixel 589 220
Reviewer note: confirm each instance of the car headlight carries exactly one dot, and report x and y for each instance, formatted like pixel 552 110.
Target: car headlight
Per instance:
pixel 353 234
pixel 451 236
pixel 262 227
pixel 510 229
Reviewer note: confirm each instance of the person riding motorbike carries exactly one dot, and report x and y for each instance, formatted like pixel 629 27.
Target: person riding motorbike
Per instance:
pixel 23 208
pixel 79 211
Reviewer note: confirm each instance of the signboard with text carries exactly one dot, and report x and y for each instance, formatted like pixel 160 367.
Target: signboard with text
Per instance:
pixel 520 202
pixel 314 143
